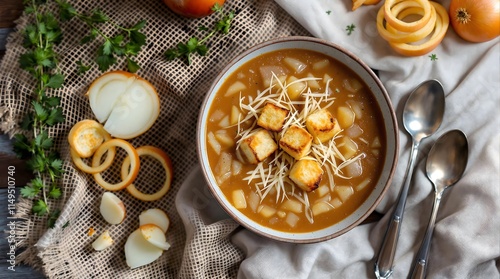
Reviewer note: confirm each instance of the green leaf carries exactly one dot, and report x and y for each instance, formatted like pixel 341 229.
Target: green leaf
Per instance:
pixel 56 116
pixel 55 192
pixel 56 166
pixel 36 163
pixel 66 11
pixel 202 50
pixel 132 49
pixel 56 81
pixel 22 146
pixel 51 222
pixel 105 61
pixel 29 192
pixel 132 66
pixel 43 140
pixel 107 47
pixel 139 25
pixel 27 60
pixel 52 101
pixel 117 40
pixel 40 112
pixel 138 38
pixel 171 54
pixel 82 68
pixel 98 16
pixel 27 122
pixel 192 44
pixel 39 208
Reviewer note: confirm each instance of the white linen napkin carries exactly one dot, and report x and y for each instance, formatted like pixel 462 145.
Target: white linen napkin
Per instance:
pixel 466 241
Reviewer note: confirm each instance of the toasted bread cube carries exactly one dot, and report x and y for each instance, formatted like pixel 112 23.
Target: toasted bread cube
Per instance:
pixel 272 117
pixel 306 174
pixel 257 147
pixel 322 126
pixel 296 142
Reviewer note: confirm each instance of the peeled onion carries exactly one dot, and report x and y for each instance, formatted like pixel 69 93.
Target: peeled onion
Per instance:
pixel 112 208
pixel 126 103
pixel 139 252
pixel 155 216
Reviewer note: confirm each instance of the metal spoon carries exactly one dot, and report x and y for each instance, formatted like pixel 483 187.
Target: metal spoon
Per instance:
pixel 422 116
pixel 446 163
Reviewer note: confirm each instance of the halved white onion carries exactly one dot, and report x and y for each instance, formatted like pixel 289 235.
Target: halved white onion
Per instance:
pixel 155 216
pixel 155 235
pixel 125 102
pixel 139 251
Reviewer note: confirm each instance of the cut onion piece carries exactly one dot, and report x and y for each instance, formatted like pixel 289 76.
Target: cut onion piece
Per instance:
pixel 86 136
pixel 155 216
pixel 139 251
pixel 163 158
pixel 125 102
pixel 155 235
pixel 112 208
pixel 132 153
pixel 77 160
pixel 102 242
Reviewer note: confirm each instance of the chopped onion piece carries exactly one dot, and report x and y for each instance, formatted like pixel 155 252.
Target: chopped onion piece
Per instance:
pixel 295 64
pixel 344 192
pixel 354 169
pixel 239 200
pixel 234 88
pixel 363 184
pixel 292 219
pixel 214 143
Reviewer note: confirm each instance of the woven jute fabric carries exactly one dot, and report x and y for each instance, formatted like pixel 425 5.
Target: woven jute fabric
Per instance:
pixel 65 251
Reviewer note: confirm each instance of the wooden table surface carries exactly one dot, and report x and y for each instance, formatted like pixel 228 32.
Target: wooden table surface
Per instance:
pixel 10 10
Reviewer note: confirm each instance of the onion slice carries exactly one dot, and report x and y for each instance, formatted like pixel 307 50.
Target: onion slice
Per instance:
pixel 442 23
pixel 86 136
pixel 79 163
pixel 163 158
pixel 403 26
pixel 134 162
pixel 125 102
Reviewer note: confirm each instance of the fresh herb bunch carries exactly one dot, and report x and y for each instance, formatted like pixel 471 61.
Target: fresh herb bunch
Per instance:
pixel 127 43
pixel 40 60
pixel 194 45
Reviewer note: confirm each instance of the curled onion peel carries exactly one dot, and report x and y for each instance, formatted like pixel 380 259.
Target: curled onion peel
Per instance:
pixel 407 26
pixel 163 158
pixel 442 23
pixel 127 104
pixel 134 163
pixel 402 10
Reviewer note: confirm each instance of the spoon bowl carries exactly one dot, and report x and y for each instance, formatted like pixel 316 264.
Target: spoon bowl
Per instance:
pixel 422 116
pixel 445 165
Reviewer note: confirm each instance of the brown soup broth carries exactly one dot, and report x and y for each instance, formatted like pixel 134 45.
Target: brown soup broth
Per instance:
pixel 371 142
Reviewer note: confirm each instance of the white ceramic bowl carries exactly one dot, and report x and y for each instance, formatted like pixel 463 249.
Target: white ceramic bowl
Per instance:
pixel 389 120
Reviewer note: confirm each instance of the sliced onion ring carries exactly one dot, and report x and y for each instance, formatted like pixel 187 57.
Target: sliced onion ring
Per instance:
pixel 442 23
pixel 403 9
pixel 407 26
pixel 132 153
pixel 77 160
pixel 163 158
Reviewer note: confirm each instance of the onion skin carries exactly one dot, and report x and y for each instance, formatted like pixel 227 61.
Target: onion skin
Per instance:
pixel 475 21
pixel 192 8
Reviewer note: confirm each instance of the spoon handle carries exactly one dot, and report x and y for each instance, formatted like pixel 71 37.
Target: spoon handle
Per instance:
pixel 385 261
pixel 420 265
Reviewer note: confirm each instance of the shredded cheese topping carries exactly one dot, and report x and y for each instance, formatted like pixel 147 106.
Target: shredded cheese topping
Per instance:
pixel 271 176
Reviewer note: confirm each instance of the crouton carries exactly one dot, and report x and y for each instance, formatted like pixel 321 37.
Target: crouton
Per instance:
pixel 296 142
pixel 306 174
pixel 272 117
pixel 258 146
pixel 322 126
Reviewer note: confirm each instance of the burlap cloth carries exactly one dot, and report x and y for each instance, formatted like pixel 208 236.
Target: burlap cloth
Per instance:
pixel 65 252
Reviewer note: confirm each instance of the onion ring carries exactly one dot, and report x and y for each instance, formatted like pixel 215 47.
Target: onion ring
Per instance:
pixel 77 160
pixel 86 136
pixel 442 23
pixel 132 153
pixel 407 26
pixel 391 34
pixel 163 158
pixel 419 34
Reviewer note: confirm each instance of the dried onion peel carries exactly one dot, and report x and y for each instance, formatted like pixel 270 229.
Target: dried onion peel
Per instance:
pixel 163 158
pixel 134 163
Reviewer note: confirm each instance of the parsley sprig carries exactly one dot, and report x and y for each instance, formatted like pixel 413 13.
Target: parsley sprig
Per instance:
pixel 128 42
pixel 194 45
pixel 40 60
